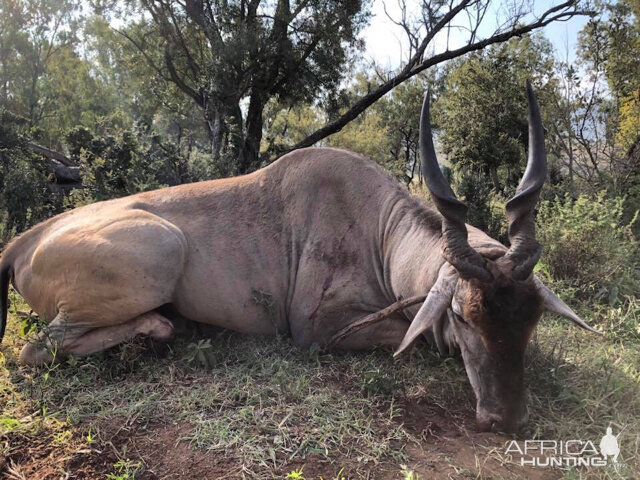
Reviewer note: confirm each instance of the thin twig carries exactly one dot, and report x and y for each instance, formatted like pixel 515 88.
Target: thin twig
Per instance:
pixel 371 319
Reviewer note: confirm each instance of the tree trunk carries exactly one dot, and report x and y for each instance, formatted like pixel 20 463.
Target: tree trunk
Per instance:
pixel 235 154
pixel 213 116
pixel 252 135
pixel 407 160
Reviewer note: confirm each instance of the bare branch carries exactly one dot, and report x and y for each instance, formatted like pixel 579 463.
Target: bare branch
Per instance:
pixel 416 64
pixel 195 10
pixel 193 66
pixel 371 319
pixel 179 81
pixel 144 53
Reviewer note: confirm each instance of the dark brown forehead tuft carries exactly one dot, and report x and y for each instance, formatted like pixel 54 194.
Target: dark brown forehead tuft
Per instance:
pixel 501 300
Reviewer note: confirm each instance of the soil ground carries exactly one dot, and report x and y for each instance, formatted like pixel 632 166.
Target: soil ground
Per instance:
pixel 451 449
pixel 214 404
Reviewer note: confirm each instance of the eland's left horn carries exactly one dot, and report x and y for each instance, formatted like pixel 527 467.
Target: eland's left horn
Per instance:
pixel 525 250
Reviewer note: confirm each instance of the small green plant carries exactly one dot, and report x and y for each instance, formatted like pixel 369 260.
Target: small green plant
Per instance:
pixel 131 353
pixel 125 470
pixel 7 424
pixel 299 475
pixel 90 438
pixel 377 381
pixel 62 437
pixel 408 474
pixel 198 353
pixel 296 474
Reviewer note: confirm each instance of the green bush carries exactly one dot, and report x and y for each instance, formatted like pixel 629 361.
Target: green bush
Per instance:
pixel 486 207
pixel 26 194
pixel 112 165
pixel 589 248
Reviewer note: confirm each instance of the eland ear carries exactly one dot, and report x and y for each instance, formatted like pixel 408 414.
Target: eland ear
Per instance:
pixel 433 308
pixel 553 303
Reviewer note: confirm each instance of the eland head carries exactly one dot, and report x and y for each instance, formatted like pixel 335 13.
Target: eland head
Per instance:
pixel 488 307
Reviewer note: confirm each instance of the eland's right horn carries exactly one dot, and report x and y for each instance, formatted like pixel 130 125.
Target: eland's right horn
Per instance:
pixel 456 249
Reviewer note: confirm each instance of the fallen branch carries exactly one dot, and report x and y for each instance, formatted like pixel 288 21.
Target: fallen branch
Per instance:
pixel 371 319
pixel 51 154
pixel 65 174
pixel 66 171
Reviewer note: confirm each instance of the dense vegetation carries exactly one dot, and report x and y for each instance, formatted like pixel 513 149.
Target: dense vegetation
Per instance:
pixel 106 99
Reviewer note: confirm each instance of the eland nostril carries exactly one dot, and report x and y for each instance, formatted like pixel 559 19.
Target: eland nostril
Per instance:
pixel 488 422
pixel 501 419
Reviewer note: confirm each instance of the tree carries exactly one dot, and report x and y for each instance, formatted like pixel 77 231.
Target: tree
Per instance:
pixel 401 115
pixel 482 119
pixel 32 33
pixel 580 135
pixel 368 135
pixel 26 195
pixel 156 107
pixel 482 110
pixel 388 131
pixel 231 58
pixel 613 41
pixel 601 109
pixel 438 18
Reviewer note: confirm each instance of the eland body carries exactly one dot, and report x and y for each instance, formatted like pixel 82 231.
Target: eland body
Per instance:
pixel 315 241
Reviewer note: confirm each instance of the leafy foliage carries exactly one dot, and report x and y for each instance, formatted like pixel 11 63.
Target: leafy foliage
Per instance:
pixel 26 195
pixel 111 166
pixel 588 247
pixel 482 111
pixel 614 40
pixel 610 48
pixel 117 164
pixel 486 207
pixel 244 52
pixel 482 123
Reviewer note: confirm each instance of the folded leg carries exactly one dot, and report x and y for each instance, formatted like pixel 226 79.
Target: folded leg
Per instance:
pixel 62 337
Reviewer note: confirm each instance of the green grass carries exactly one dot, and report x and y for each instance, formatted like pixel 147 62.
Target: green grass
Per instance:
pixel 262 403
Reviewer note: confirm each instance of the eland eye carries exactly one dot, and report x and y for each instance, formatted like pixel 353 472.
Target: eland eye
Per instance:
pixel 452 314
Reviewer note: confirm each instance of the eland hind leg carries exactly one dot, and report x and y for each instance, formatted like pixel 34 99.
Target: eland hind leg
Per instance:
pixel 60 337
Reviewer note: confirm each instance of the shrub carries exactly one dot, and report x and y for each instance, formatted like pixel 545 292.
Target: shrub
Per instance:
pixel 486 207
pixel 112 165
pixel 26 195
pixel 589 248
